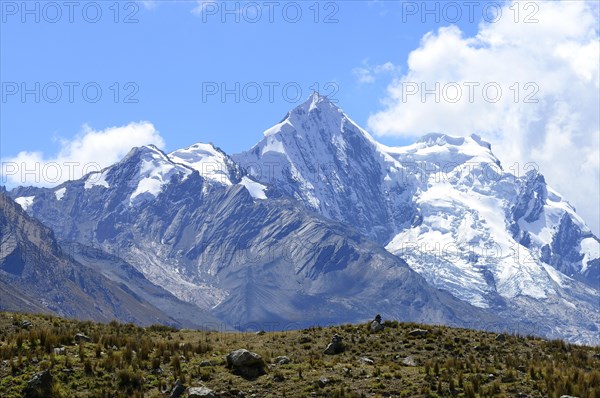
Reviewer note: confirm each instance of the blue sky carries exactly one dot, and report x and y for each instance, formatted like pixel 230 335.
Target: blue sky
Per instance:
pixel 171 51
pixel 154 61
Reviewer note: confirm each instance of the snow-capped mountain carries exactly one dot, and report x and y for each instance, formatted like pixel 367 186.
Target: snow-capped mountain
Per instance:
pixel 302 227
pixel 443 204
pixel 227 247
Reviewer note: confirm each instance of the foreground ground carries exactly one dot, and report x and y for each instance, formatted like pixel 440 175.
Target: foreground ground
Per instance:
pixel 129 361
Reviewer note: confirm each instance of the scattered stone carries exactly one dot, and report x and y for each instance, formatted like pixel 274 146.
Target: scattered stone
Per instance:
pixel 245 363
pixel 39 386
pixel 278 378
pixel 204 364
pixel 201 392
pixel 59 351
pixel 177 390
pixel 157 371
pixel 409 361
pixel 418 333
pixel 25 324
pixel 501 337
pixel 260 333
pixel 567 396
pixel 323 381
pixel 366 361
pixel 80 337
pixel 376 325
pixel 282 360
pixel 596 356
pixel 336 346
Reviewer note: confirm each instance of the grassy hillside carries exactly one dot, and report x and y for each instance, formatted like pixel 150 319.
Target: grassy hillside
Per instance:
pixel 129 361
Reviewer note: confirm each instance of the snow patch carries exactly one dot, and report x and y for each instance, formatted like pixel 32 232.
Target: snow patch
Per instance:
pixel 25 201
pixel 96 179
pixel 59 193
pixel 256 190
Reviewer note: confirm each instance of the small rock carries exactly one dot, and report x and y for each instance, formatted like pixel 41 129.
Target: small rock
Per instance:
pixel 366 361
pixel 323 381
pixel 567 396
pixel 80 337
pixel 201 392
pixel 157 371
pixel 25 324
pixel 278 378
pixel 59 351
pixel 282 360
pixel 409 361
pixel 204 364
pixel 501 337
pixel 177 390
pixel 418 332
pixel 39 386
pixel 336 346
pixel 260 332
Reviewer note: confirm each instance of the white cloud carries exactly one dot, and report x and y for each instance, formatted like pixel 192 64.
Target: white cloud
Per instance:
pixel 89 151
pixel 368 74
pixel 558 57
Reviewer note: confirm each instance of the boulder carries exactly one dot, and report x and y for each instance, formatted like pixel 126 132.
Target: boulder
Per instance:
pixel 82 338
pixel 418 333
pixel 201 392
pixel 177 390
pixel 245 363
pixel 39 386
pixel 501 337
pixel 336 346
pixel 376 325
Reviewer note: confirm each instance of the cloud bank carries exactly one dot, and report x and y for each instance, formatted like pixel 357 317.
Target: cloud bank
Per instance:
pixel 532 89
pixel 90 151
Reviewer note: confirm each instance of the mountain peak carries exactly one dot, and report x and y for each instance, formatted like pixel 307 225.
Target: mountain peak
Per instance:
pixel 316 102
pixel 443 139
pixel 210 161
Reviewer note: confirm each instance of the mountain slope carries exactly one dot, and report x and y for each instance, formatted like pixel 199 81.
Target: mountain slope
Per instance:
pixel 446 206
pixel 251 261
pixel 39 276
pixel 294 229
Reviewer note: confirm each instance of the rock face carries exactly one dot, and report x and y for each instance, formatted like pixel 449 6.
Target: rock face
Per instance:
pixel 336 346
pixel 245 363
pixel 40 385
